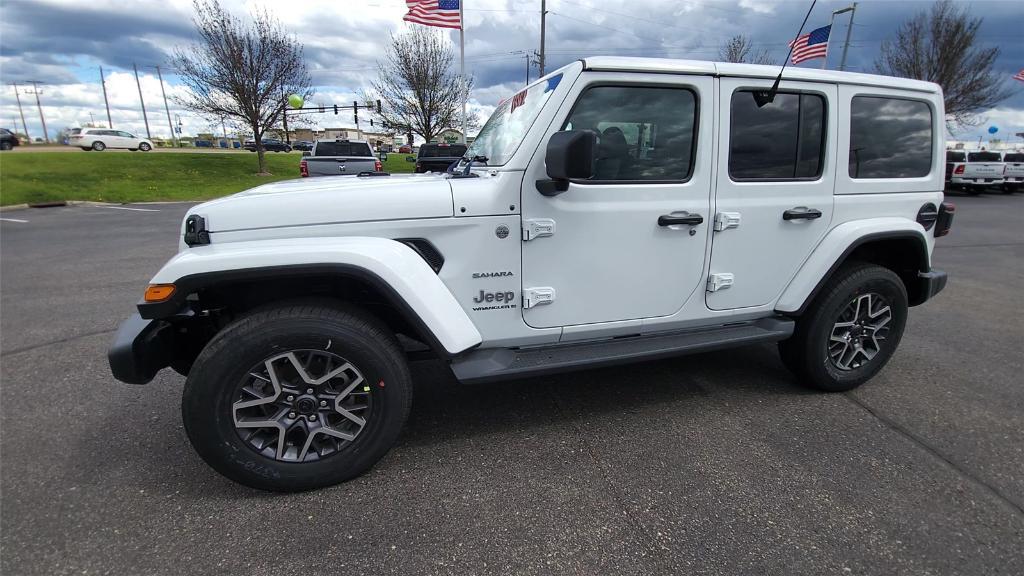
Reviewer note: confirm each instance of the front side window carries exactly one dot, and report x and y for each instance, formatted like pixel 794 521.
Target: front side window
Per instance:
pixel 783 140
pixel 890 138
pixel 500 137
pixel 125 135
pixel 644 133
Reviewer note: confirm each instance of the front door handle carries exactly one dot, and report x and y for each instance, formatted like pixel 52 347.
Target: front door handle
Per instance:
pixel 673 220
pixel 801 213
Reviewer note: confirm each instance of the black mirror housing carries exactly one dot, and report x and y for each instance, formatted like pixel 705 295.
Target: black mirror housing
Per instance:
pixel 569 156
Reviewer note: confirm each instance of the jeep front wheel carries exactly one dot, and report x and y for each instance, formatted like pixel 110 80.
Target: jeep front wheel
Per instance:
pixel 297 397
pixel 850 330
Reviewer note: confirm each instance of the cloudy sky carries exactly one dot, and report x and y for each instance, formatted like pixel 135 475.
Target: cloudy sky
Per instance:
pixel 62 43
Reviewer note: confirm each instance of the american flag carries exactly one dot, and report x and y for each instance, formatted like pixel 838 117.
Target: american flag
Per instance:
pixel 810 46
pixel 1019 75
pixel 440 13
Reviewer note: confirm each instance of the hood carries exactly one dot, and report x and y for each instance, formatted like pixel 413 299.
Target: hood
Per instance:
pixel 330 199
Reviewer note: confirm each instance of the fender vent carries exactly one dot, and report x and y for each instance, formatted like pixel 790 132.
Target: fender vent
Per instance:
pixel 426 250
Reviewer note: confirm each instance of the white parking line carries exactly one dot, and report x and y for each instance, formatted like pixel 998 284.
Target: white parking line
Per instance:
pixel 127 208
pixel 14 220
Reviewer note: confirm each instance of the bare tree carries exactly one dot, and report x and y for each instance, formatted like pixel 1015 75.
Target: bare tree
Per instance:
pixel 739 48
pixel 419 93
pixel 941 45
pixel 239 70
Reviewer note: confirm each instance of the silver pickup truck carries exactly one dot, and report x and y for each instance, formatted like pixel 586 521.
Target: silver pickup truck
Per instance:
pixel 338 158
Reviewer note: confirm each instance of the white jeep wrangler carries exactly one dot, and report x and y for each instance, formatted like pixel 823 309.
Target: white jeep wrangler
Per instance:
pixel 616 210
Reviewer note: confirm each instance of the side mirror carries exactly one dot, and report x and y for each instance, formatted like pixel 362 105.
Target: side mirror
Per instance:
pixel 410 158
pixel 307 153
pixel 570 156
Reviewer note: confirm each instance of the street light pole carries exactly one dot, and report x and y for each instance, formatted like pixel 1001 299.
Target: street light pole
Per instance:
pixel 110 123
pixel 846 45
pixel 849 28
pixel 170 125
pixel 543 21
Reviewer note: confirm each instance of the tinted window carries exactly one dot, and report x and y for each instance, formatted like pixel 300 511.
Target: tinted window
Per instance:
pixel 782 140
pixel 952 156
pixel 984 157
pixel 643 133
pixel 125 135
pixel 890 138
pixel 343 149
pixel 442 151
pixel 1014 158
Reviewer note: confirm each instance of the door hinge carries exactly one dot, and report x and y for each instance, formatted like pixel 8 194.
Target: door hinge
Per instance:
pixel 726 220
pixel 538 296
pixel 537 228
pixel 719 281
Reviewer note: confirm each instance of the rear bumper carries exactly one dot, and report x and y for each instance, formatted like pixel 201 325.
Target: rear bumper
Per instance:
pixel 141 348
pixel 977 181
pixel 931 284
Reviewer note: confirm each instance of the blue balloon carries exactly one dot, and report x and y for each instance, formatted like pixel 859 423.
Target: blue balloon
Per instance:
pixel 992 129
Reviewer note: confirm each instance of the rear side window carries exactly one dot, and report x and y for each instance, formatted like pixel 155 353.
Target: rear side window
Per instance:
pixel 1014 158
pixel 343 149
pixel 952 156
pixel 644 133
pixel 784 140
pixel 890 138
pixel 983 157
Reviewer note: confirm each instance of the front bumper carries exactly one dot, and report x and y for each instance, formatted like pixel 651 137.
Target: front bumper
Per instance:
pixel 931 284
pixel 141 348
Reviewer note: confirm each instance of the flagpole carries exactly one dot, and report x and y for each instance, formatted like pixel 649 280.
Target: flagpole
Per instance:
pixel 462 65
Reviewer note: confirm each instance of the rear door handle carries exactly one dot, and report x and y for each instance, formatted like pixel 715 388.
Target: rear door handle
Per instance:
pixel 801 213
pixel 673 220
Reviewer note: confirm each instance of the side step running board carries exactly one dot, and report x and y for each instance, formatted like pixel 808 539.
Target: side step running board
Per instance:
pixel 504 363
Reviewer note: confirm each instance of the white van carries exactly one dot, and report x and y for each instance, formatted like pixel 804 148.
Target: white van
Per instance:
pixel 99 139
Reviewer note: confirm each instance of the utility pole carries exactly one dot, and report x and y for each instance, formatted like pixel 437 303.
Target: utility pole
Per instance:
pixel 846 45
pixel 284 119
pixel 170 124
pixel 824 61
pixel 103 81
pixel 35 90
pixel 525 54
pixel 543 18
pixel 21 112
pixel 141 101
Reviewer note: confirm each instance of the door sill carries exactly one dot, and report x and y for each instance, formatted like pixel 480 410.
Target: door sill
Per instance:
pixel 489 365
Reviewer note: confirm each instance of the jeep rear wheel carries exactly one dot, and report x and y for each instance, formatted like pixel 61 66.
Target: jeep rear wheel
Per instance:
pixel 850 330
pixel 297 397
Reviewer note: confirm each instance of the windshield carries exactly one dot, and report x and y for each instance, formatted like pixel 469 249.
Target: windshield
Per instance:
pixel 954 156
pixel 500 137
pixel 983 157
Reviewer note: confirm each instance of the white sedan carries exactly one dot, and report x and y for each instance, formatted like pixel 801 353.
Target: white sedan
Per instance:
pixel 100 139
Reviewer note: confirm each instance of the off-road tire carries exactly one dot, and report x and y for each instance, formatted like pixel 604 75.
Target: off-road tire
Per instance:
pixel 806 353
pixel 210 394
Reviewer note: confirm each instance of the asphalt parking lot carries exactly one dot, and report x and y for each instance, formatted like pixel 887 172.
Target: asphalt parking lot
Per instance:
pixel 710 464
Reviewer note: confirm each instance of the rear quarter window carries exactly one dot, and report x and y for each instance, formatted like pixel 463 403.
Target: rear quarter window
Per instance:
pixel 890 138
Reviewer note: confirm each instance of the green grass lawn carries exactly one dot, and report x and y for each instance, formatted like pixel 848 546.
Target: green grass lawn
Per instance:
pixel 29 177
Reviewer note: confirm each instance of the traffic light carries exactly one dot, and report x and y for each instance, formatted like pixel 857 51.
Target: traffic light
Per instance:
pixel 378 106
pixel 335 109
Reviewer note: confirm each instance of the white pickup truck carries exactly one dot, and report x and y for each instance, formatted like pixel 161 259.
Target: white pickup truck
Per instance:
pixel 616 210
pixel 1014 173
pixel 980 170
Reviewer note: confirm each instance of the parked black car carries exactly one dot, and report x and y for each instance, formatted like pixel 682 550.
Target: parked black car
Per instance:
pixel 304 145
pixel 437 157
pixel 269 144
pixel 7 139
